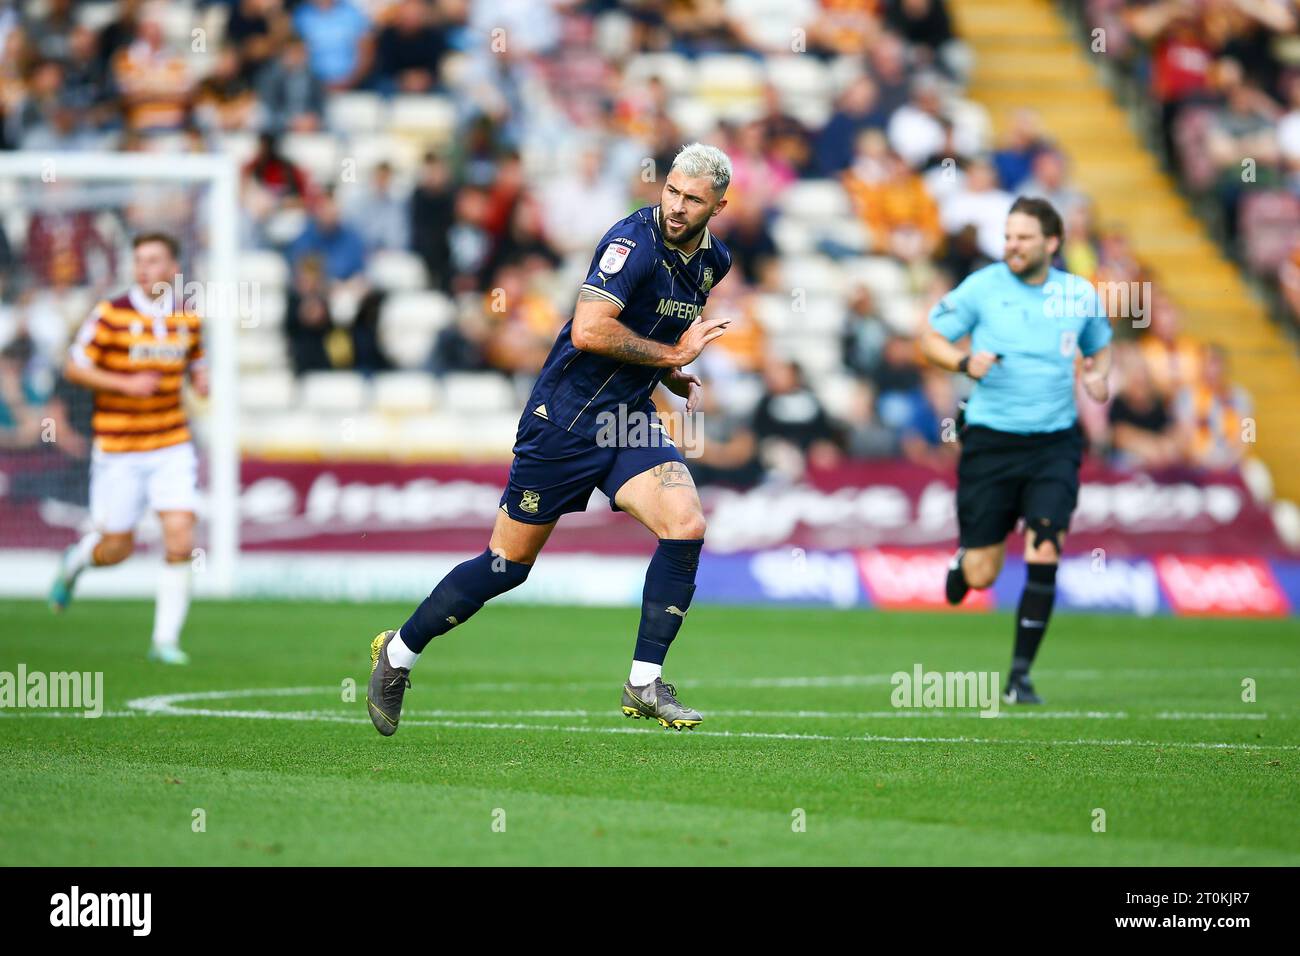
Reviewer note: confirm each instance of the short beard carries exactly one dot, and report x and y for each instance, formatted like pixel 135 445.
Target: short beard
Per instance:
pixel 1035 266
pixel 689 236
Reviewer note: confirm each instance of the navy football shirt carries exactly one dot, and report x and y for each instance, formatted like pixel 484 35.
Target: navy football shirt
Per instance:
pixel 660 290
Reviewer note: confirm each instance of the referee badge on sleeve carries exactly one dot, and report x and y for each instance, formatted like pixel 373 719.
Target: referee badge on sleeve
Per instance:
pixel 615 255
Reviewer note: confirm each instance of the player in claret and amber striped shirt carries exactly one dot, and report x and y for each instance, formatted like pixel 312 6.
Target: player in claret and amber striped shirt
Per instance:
pixel 134 352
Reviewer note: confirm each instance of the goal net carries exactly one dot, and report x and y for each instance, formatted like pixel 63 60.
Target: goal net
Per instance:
pixel 66 224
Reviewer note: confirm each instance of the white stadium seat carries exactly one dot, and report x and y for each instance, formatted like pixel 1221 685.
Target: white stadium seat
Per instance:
pixel 261 350
pixel 356 113
pixel 798 77
pixel 431 310
pixel 396 270
pixel 676 72
pixel 429 435
pixel 405 393
pixel 426 115
pixel 813 275
pixel 816 200
pixel 316 153
pixel 837 392
pixel 289 433
pixel 267 392
pixel 268 269
pixel 334 392
pixel 490 435
pixel 362 435
pixel 477 392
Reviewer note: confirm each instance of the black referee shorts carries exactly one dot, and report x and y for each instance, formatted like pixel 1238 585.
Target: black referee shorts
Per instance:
pixel 1004 476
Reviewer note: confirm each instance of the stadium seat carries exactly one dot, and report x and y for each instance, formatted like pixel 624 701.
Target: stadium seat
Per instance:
pixel 490 436
pixel 356 113
pixel 268 269
pixel 793 237
pixel 316 153
pixel 675 71
pixel 271 301
pixel 837 392
pixel 344 300
pixel 396 270
pixel 363 435
pixel 260 351
pixel 267 392
pixel 426 310
pixel 298 433
pixel 334 392
pixel 815 200
pixel 696 117
pixel 405 393
pixel 798 77
pixel 428 118
pixel 429 436
pixel 732 83
pixel 403 154
pixel 478 392
pixel 814 275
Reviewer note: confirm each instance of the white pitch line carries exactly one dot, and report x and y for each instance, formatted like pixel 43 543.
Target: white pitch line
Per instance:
pixel 874 680
pixel 165 705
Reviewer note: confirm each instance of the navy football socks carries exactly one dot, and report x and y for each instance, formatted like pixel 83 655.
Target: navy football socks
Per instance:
pixel 465 589
pixel 669 587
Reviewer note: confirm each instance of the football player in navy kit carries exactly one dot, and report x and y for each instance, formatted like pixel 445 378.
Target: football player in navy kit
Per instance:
pixel 637 322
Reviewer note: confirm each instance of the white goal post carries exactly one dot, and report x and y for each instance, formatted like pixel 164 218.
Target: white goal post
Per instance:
pixel 219 177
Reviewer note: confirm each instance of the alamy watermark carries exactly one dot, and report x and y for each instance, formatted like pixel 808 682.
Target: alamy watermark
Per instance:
pixel 66 690
pixel 946 689
pixel 636 428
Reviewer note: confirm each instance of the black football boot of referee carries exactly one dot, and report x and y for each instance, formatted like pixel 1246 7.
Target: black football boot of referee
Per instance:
pixel 1020 691
pixel 955 587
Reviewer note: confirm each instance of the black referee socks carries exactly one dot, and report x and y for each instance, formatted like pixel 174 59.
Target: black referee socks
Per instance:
pixel 1032 616
pixel 465 589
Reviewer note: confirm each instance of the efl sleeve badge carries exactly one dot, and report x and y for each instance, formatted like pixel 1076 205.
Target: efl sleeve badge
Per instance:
pixel 615 255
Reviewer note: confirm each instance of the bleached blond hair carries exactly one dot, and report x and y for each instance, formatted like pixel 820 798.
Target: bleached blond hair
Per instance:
pixel 697 159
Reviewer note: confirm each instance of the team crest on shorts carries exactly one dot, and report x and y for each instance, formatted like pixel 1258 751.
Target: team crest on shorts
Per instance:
pixel 706 279
pixel 529 502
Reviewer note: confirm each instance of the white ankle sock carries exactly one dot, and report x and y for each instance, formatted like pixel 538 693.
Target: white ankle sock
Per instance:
pixel 173 603
pixel 644 673
pixel 399 655
pixel 82 554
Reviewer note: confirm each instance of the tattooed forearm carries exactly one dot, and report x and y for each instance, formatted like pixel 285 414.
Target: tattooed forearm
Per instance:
pixel 673 474
pixel 603 334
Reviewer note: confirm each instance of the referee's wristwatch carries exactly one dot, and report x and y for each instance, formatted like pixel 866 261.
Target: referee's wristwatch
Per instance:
pixel 964 365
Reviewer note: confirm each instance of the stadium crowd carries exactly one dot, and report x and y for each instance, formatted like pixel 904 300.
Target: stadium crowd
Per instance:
pixel 1225 78
pixel 426 180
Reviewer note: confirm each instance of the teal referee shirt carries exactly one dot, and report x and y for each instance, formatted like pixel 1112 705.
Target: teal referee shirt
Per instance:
pixel 1036 329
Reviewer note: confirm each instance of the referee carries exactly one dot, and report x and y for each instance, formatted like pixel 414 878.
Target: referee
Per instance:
pixel 1021 441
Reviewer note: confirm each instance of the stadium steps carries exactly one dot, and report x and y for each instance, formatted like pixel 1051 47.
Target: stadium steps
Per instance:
pixel 1027 55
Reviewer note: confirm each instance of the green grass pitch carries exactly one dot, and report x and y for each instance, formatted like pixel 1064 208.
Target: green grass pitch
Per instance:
pixel 512 748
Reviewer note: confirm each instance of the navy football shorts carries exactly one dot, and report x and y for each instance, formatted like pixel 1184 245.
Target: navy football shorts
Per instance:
pixel 555 471
pixel 1003 477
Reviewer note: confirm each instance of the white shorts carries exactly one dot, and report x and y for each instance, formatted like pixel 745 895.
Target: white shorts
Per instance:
pixel 123 485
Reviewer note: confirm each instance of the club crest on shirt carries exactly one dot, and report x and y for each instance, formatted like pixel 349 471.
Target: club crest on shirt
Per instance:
pixel 615 255
pixel 706 279
pixel 529 502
